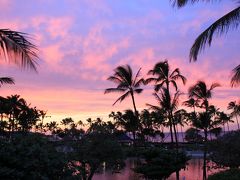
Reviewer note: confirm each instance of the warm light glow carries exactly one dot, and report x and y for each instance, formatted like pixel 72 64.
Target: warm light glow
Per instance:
pixel 81 42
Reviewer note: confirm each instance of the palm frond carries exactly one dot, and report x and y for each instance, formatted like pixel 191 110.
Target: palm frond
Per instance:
pixel 6 80
pixel 154 108
pixel 175 100
pixel 222 25
pixel 179 76
pixel 151 79
pixel 157 87
pixel 231 105
pixel 139 82
pixel 114 79
pixel 110 90
pixel 214 85
pixel 138 91
pixel 181 3
pixel 121 98
pixel 157 97
pixel 16 47
pixel 136 76
pixel 174 84
pixel 235 81
pixel 125 72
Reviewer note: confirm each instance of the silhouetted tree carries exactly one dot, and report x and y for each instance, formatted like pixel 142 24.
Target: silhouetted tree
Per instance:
pixel 235 107
pixel 127 83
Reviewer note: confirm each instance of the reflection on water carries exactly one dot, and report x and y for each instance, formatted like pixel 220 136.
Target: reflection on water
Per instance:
pixel 193 171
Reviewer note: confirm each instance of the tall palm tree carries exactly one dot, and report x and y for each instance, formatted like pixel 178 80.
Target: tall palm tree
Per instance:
pixel 235 107
pixel 180 117
pixel 169 104
pixel 221 26
pixel 127 83
pixel 201 92
pixel 6 80
pixel 15 47
pixel 163 77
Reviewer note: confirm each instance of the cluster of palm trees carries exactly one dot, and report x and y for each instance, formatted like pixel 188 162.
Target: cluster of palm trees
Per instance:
pixel 205 117
pixel 167 94
pixel 17 115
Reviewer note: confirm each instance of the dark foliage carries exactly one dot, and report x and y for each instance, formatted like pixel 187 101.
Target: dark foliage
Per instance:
pixel 30 157
pixel 225 151
pixel 161 163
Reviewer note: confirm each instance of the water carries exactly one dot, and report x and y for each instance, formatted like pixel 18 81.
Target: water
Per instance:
pixel 193 171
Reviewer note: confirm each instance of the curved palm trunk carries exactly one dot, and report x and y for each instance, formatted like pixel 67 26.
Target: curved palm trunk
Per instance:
pixel 175 134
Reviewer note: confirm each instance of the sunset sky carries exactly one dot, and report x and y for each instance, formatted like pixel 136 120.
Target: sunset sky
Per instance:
pixel 81 41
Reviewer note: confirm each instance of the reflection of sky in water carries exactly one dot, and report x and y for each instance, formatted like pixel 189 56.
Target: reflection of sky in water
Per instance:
pixel 192 172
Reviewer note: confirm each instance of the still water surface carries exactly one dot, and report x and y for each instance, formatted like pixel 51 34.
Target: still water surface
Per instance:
pixel 193 171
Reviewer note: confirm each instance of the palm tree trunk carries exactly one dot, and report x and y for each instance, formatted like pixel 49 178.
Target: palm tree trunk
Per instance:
pixel 205 155
pixel 228 126
pixel 134 104
pixel 224 128
pixel 171 131
pixel 175 134
pixel 237 122
pixel 182 133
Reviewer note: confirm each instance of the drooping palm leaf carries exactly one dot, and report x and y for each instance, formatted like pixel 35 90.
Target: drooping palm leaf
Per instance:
pixel 235 81
pixel 15 47
pixel 181 3
pixel 219 27
pixel 6 80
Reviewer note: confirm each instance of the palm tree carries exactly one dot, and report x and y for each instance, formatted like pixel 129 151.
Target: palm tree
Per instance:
pixel 126 83
pixel 201 93
pixel 66 122
pixel 235 107
pixel 6 80
pixel 219 27
pixel 15 47
pixel 128 121
pixel 52 126
pixel 169 104
pixel 14 103
pixel 163 77
pixel 192 103
pixel 223 118
pixel 180 117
